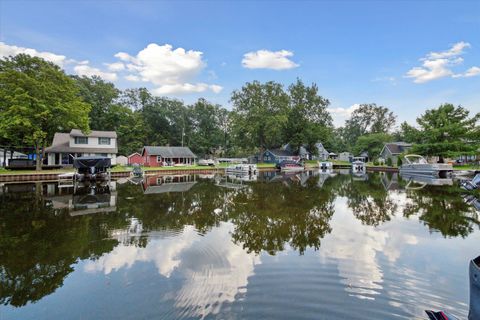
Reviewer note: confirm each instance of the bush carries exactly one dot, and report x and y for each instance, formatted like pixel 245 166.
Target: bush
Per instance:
pixel 375 162
pixel 389 162
pixel 399 162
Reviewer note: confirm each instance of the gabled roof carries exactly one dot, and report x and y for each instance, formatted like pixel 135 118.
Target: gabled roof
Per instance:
pixel 93 133
pixel 397 147
pixel 169 152
pixel 133 154
pixel 61 143
pixel 281 153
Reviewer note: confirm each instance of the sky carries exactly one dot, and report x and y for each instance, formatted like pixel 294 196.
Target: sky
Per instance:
pixel 409 56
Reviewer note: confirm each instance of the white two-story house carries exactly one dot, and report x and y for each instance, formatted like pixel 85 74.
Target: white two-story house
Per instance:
pixel 66 146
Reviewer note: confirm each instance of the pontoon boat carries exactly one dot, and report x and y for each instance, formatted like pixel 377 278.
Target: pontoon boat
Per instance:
pixel 417 165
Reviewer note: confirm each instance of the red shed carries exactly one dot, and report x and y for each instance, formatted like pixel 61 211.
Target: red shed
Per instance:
pixel 135 158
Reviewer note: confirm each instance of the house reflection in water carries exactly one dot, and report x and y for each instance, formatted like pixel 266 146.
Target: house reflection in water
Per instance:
pixel 83 199
pixel 169 183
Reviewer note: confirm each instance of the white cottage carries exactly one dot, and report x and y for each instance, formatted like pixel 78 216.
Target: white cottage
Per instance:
pixel 66 146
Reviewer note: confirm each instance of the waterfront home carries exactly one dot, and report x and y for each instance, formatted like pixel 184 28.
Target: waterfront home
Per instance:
pixel 277 156
pixel 345 156
pixel 66 146
pixel 167 156
pixel 303 153
pixel 392 150
pixel 6 155
pixel 135 158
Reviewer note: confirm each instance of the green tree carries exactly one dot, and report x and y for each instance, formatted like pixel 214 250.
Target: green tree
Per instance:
pixel 308 118
pixel 372 143
pixel 368 118
pixel 101 95
pixel 207 126
pixel 38 99
pixel 260 113
pixel 447 131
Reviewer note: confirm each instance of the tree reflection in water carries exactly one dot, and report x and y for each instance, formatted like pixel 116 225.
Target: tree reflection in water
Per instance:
pixel 442 209
pixel 40 245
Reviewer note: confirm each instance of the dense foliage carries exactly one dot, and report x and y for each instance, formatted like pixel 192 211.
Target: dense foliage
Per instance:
pixel 38 99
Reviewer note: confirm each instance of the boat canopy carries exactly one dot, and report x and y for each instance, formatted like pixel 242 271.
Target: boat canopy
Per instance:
pixel 415 158
pixel 92 162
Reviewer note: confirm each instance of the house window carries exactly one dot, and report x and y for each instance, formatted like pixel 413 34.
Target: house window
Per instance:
pixel 103 155
pixel 104 141
pixel 81 140
pixel 159 158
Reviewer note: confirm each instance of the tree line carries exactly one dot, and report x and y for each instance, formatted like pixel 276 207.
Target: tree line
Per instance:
pixel 37 99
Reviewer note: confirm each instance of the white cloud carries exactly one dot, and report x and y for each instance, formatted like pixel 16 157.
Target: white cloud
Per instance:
pixel 8 50
pixel 182 88
pixel 264 59
pixel 170 70
pixel 438 65
pixel 86 70
pixel 473 71
pixel 133 78
pixel 340 114
pixel 116 66
pixel 81 68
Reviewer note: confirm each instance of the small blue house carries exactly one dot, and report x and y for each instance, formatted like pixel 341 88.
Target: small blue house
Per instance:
pixel 277 156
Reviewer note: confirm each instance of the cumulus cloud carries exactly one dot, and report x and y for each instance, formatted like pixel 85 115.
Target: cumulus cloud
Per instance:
pixel 81 68
pixel 180 88
pixel 265 59
pixel 8 50
pixel 340 114
pixel 86 70
pixel 473 71
pixel 436 65
pixel 170 70
pixel 116 66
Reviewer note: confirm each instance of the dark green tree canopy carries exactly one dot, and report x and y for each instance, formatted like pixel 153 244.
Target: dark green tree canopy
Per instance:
pixel 38 99
pixel 446 131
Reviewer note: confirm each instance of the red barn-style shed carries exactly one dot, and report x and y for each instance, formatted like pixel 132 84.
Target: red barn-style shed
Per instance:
pixel 135 158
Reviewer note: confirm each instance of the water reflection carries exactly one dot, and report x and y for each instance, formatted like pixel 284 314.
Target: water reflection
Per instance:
pixel 209 234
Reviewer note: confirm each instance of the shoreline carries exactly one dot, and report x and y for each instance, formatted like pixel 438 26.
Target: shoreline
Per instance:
pixel 44 176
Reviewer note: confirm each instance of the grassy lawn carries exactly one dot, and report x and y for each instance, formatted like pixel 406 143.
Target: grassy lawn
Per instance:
pixel 466 167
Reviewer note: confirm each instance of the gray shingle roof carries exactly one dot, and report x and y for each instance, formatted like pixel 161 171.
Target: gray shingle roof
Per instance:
pixel 169 152
pixel 397 147
pixel 281 152
pixel 61 143
pixel 93 133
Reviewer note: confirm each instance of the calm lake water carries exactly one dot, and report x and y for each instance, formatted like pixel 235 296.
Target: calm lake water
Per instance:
pixel 305 246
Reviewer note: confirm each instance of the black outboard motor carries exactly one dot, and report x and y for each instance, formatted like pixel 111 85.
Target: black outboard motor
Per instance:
pixel 474 313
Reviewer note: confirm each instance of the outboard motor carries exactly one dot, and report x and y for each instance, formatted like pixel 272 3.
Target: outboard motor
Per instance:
pixel 474 313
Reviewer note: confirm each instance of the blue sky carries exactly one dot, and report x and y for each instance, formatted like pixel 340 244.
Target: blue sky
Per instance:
pixel 406 55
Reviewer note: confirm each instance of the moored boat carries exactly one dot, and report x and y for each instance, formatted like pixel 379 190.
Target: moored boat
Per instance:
pixel 358 165
pixel 92 168
pixel 417 165
pixel 242 169
pixel 325 165
pixel 288 165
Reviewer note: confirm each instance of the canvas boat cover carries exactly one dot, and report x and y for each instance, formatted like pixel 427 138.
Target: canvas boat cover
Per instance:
pixel 92 162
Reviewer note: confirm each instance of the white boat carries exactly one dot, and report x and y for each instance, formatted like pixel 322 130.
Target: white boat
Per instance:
pixel 242 169
pixel 325 165
pixel 358 165
pixel 417 165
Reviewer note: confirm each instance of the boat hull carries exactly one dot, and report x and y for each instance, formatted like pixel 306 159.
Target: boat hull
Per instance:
pixel 434 170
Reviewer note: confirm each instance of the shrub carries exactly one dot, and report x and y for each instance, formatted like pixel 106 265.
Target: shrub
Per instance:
pixel 399 162
pixel 375 162
pixel 389 162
